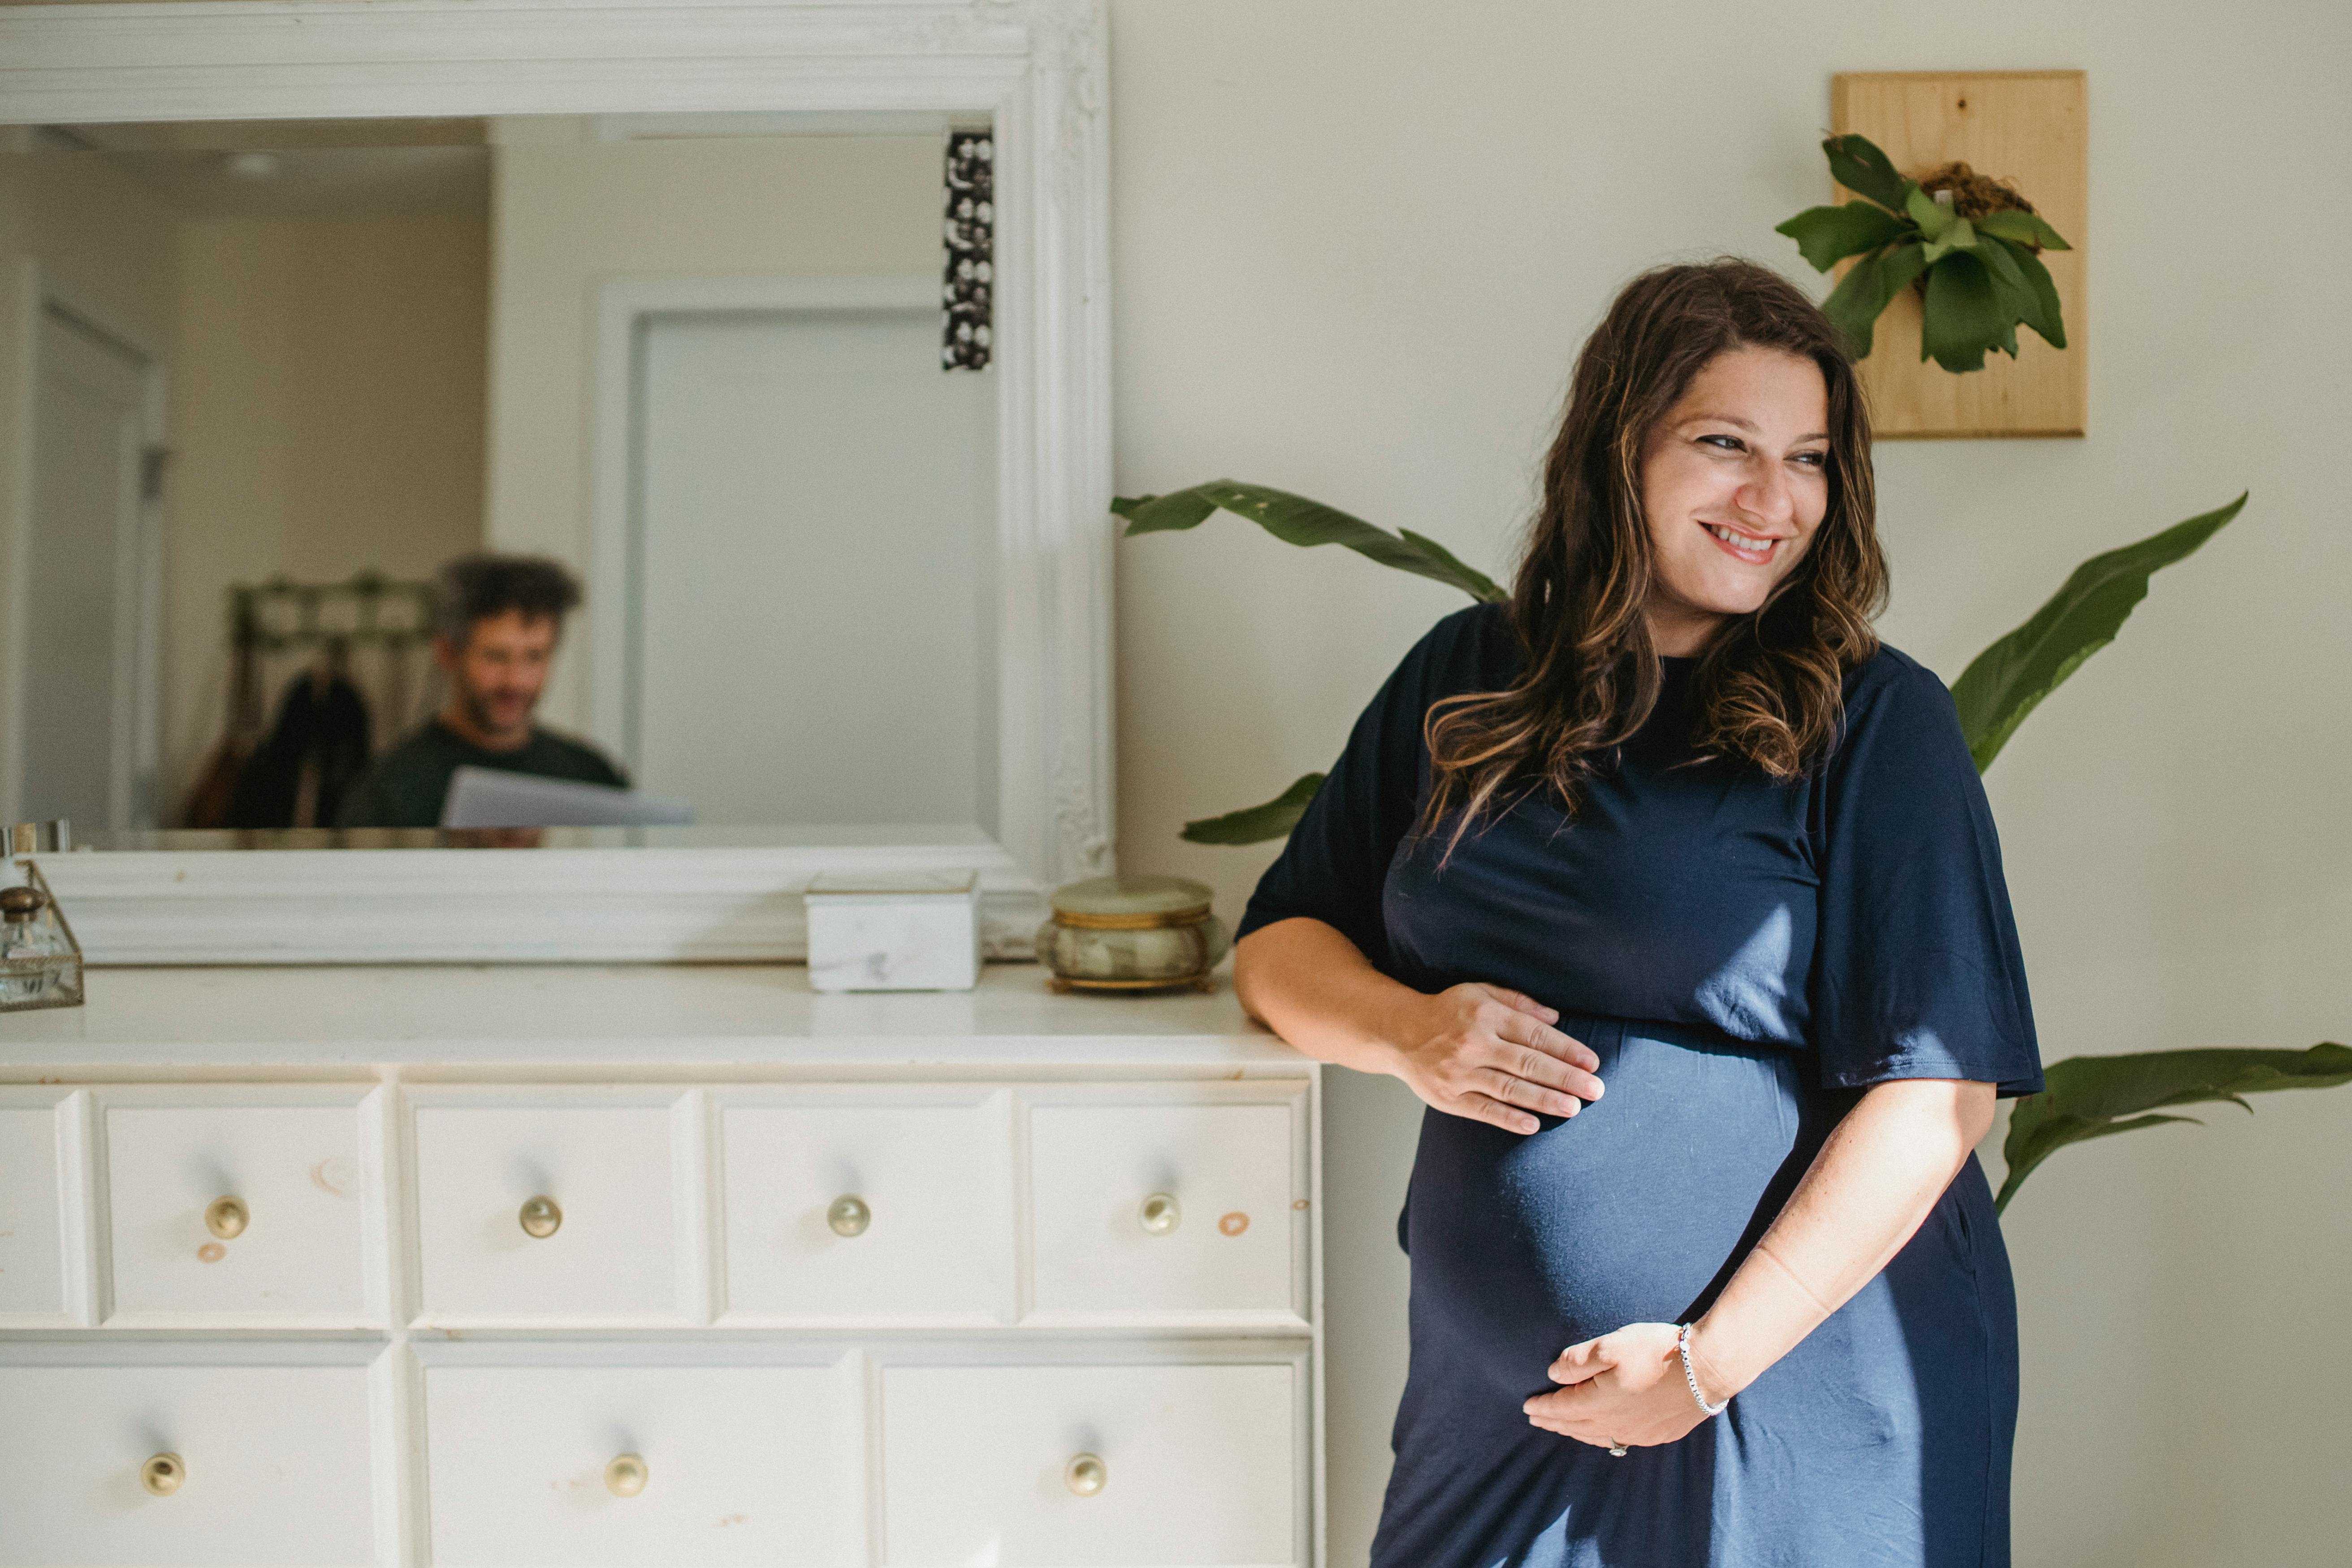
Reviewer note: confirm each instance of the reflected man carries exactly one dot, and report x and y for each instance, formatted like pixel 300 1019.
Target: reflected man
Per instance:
pixel 498 620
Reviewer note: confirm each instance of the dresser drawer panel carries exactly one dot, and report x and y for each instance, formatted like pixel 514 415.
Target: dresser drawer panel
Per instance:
pixel 32 1209
pixel 868 1204
pixel 271 1466
pixel 550 1208
pixel 1190 1466
pixel 532 1466
pixel 1168 1209
pixel 245 1205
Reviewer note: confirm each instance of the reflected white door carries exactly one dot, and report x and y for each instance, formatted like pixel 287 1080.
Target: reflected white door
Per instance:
pixel 814 604
pixel 86 687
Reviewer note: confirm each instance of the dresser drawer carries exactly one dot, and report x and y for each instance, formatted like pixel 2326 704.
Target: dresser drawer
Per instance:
pixel 32 1208
pixel 550 1207
pixel 246 1204
pixel 1190 1466
pixel 1173 1209
pixel 272 1467
pixel 742 1464
pixel 868 1204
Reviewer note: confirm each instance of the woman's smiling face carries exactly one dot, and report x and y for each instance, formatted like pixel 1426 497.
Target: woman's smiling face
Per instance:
pixel 1734 482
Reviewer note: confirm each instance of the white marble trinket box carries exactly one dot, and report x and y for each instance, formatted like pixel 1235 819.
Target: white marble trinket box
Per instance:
pixel 894 932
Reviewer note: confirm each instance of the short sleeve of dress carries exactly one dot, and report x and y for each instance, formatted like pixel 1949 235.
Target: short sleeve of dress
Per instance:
pixel 1916 970
pixel 1336 862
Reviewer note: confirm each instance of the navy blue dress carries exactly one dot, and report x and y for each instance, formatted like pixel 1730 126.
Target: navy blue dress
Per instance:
pixel 1745 957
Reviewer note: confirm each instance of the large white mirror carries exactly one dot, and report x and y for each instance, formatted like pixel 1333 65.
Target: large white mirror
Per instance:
pixel 720 454
pixel 396 391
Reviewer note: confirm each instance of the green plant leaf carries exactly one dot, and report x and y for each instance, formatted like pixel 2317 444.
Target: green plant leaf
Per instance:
pixel 1999 257
pixel 2038 306
pixel 2014 294
pixel 1961 236
pixel 1863 295
pixel 1857 163
pixel 1459 572
pixel 2024 228
pixel 1827 236
pixel 1962 317
pixel 1295 520
pixel 2098 1096
pixel 1932 215
pixel 1257 824
pixel 1156 515
pixel 2003 684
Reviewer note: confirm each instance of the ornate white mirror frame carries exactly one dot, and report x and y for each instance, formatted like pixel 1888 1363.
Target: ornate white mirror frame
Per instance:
pixel 1035 68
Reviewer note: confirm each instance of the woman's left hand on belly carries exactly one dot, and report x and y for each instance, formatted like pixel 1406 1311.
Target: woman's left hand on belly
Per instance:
pixel 1625 1388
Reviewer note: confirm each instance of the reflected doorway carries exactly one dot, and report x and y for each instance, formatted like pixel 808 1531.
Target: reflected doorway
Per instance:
pixel 86 684
pixel 809 564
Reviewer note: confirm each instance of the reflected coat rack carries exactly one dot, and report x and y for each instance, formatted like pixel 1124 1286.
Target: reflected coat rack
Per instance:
pixel 369 628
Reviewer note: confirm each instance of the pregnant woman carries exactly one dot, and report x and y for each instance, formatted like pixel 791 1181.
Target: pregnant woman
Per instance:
pixel 1675 895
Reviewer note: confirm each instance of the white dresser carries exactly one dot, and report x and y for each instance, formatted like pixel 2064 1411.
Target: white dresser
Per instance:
pixel 487 1268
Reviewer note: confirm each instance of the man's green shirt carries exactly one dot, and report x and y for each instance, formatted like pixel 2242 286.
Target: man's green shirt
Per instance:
pixel 408 784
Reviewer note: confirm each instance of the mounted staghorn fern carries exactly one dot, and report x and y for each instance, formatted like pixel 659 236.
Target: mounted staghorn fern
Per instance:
pixel 1971 246
pixel 2085 1097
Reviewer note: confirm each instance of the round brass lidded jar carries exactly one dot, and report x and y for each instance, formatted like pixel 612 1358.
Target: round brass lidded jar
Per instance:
pixel 1132 933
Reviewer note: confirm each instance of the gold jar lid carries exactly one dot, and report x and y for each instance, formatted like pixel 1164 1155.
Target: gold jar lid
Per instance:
pixel 1131 903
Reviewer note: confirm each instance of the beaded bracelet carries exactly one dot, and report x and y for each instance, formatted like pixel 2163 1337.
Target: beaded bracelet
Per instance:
pixel 1682 1343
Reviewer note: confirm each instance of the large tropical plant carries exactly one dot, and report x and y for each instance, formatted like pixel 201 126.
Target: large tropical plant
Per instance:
pixel 2085 1097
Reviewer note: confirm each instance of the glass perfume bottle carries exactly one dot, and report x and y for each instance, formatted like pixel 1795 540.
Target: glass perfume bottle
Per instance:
pixel 24 934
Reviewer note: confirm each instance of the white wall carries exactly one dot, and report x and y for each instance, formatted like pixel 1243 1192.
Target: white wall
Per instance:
pixel 1356 246
pixel 326 418
pixel 568 214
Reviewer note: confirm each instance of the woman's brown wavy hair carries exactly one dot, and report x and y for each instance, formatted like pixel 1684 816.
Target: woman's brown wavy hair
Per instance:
pixel 1768 686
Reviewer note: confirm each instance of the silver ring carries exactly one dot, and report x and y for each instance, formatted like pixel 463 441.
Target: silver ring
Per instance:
pixel 1616 1450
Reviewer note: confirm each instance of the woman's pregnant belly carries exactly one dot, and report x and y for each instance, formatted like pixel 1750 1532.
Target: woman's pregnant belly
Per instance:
pixel 1632 1211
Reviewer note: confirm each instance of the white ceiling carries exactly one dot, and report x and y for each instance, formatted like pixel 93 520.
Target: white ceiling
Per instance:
pixel 314 167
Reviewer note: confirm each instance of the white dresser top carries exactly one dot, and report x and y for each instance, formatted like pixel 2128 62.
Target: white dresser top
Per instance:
pixel 663 1019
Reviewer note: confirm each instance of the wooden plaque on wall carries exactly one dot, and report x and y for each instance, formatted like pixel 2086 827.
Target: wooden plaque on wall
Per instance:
pixel 2029 128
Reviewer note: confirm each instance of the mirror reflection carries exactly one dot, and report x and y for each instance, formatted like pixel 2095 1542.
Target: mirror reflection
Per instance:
pixel 486 474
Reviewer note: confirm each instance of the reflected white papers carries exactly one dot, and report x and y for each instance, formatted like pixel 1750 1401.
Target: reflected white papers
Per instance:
pixel 488 798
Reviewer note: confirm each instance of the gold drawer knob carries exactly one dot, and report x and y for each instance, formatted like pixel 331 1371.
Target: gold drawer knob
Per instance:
pixel 1161 1214
pixel 227 1217
pixel 626 1476
pixel 849 1215
pixel 541 1218
pixel 163 1473
pixel 1085 1475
